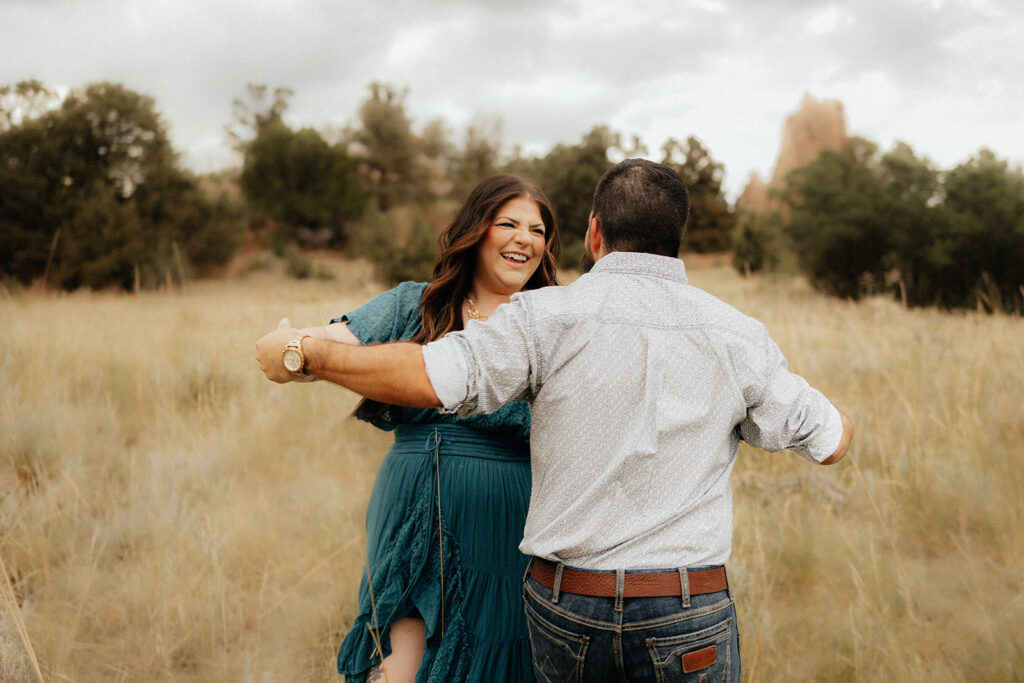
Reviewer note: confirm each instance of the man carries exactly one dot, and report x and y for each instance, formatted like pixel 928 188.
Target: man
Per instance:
pixel 641 387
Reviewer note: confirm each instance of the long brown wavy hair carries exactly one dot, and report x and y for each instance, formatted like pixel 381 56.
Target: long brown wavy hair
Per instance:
pixel 441 303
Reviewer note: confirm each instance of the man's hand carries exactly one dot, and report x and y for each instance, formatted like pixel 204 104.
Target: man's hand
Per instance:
pixel 269 351
pixel 844 440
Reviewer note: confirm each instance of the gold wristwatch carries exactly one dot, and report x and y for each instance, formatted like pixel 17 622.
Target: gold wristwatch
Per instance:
pixel 292 357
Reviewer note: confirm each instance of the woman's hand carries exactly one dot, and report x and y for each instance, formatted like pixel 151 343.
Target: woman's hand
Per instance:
pixel 270 349
pixel 274 343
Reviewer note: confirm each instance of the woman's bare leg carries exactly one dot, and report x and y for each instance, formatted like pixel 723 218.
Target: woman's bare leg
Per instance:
pixel 407 642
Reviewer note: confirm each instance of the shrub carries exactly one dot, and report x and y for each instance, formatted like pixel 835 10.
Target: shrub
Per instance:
pixel 395 259
pixel 759 242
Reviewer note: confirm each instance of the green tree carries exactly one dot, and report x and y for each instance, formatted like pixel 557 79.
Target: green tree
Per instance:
pixel 568 175
pixel 985 199
pixel 922 250
pixel 311 189
pixel 23 101
pixel 415 257
pixel 711 220
pixel 390 148
pixel 31 209
pixel 838 220
pixel 91 195
pixel 759 242
pixel 395 257
pixel 373 236
pixel 434 142
pixel 261 109
pixel 478 158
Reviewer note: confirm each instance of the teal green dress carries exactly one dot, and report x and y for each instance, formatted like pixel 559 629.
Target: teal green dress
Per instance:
pixel 443 528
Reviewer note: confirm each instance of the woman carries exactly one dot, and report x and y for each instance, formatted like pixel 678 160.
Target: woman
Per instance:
pixel 441 594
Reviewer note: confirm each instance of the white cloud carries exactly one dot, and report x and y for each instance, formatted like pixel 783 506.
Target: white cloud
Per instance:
pixel 827 19
pixel 942 75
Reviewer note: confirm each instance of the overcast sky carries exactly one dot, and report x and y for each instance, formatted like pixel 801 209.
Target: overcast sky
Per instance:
pixel 945 76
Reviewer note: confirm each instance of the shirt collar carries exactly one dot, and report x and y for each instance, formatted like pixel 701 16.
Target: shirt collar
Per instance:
pixel 638 263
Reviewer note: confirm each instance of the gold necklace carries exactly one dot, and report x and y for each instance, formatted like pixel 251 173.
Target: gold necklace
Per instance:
pixel 471 309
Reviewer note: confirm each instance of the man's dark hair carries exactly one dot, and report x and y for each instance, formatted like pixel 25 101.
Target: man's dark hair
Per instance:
pixel 642 206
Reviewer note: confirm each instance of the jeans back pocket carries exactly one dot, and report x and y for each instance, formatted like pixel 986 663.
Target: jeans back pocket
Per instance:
pixel 704 655
pixel 558 654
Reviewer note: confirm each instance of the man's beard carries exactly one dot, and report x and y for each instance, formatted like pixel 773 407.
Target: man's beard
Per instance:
pixel 587 260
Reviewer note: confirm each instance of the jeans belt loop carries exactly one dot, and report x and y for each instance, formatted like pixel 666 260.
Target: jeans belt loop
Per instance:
pixel 620 588
pixel 559 568
pixel 684 586
pixel 529 568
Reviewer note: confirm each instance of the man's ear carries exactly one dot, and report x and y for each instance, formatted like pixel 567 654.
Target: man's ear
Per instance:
pixel 595 236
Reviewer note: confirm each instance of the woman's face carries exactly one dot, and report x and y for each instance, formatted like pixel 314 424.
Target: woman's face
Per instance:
pixel 512 249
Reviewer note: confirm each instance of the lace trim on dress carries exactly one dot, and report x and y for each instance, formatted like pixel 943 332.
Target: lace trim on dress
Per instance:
pixel 404 581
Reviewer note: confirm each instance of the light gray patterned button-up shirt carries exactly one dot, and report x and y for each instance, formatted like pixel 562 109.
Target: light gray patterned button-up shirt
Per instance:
pixel 641 387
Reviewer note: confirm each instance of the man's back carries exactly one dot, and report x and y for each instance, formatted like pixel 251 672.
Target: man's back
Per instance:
pixel 641 386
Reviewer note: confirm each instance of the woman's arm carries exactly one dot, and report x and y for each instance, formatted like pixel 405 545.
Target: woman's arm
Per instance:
pixel 338 332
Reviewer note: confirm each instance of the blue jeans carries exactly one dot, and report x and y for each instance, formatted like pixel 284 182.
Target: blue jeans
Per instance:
pixel 584 638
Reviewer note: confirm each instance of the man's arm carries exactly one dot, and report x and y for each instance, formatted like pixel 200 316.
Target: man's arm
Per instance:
pixel 389 373
pixel 788 413
pixel 844 440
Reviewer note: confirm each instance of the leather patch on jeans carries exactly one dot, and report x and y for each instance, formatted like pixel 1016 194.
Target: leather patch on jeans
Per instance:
pixel 701 659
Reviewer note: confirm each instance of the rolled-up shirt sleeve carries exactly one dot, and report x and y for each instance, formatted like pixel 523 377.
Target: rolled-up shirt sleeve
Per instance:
pixel 485 366
pixel 447 371
pixel 791 414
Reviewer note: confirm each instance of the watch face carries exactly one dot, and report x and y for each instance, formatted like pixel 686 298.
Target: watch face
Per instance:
pixel 292 360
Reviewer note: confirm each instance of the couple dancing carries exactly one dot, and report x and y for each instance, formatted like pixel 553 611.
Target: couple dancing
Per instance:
pixel 639 388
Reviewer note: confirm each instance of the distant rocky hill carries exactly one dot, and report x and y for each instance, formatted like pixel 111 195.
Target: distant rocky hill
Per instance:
pixel 813 128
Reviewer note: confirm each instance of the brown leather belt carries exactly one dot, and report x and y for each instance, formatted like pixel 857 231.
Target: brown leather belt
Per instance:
pixel 637 585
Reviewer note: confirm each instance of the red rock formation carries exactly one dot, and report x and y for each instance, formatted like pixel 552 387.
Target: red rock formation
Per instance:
pixel 755 195
pixel 813 128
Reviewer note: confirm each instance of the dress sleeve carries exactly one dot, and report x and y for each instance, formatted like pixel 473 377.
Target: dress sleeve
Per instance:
pixel 391 316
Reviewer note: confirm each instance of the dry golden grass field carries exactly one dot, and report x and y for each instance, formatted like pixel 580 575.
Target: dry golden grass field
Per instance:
pixel 166 514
